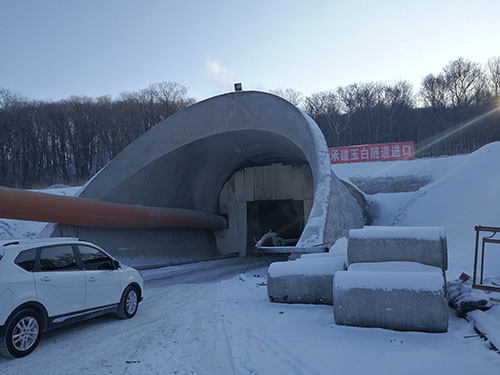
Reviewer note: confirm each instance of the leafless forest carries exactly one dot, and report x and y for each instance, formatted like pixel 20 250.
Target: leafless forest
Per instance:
pixel 66 141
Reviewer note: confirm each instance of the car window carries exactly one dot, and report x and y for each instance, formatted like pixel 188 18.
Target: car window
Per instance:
pixel 26 259
pixel 94 259
pixel 57 258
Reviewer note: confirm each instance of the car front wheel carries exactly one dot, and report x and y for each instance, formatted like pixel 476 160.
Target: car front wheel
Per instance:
pixel 22 334
pixel 128 303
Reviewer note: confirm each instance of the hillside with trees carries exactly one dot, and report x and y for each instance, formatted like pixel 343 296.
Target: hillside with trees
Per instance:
pixel 454 111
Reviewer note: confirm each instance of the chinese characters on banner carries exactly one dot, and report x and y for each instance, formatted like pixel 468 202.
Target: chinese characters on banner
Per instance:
pixel 383 151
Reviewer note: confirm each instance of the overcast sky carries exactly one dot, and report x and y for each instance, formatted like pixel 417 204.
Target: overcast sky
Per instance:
pixel 53 49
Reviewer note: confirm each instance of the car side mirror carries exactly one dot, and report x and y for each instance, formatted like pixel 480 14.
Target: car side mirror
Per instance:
pixel 116 264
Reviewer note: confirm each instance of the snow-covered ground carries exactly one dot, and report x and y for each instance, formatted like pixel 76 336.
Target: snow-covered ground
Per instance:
pixel 215 318
pixel 463 192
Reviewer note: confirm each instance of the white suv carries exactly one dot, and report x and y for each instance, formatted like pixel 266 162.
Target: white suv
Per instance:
pixel 50 282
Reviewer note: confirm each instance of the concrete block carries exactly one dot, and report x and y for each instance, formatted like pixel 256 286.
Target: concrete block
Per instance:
pixel 241 212
pixel 259 191
pixel 342 256
pixel 268 184
pixel 231 190
pixel 303 281
pixel 394 267
pixel 284 184
pixel 239 186
pixel 406 301
pixel 299 188
pixel 307 207
pixel 223 200
pixel 249 193
pixel 425 245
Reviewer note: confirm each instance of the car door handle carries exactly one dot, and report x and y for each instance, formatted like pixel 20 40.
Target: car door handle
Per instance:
pixel 45 278
pixel 92 279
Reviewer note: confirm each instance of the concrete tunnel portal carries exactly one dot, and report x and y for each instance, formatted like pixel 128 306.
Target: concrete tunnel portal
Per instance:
pixel 251 157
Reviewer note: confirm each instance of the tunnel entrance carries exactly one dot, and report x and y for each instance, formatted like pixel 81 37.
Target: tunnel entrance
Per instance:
pixel 284 217
pixel 255 200
pixel 215 157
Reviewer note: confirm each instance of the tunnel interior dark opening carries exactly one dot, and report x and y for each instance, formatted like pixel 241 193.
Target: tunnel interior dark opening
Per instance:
pixel 284 217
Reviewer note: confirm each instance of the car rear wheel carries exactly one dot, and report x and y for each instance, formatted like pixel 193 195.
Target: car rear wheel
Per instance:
pixel 128 303
pixel 22 334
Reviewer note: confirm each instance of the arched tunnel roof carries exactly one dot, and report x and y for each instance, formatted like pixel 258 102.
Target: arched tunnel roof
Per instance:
pixel 184 161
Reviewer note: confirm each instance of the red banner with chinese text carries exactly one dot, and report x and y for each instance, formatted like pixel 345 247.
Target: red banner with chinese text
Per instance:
pixel 377 152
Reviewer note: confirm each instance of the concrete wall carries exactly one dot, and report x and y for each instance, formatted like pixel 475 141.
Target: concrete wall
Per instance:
pixel 273 182
pixel 308 279
pixel 185 161
pixel 406 301
pixel 426 245
pixel 276 181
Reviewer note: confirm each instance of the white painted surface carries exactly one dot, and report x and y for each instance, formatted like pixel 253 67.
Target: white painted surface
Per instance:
pixel 60 292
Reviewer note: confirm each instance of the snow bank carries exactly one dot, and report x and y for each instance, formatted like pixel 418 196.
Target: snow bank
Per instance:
pixel 463 192
pixel 434 168
pixel 465 197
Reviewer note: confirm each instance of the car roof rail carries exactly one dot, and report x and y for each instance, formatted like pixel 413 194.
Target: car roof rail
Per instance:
pixel 11 243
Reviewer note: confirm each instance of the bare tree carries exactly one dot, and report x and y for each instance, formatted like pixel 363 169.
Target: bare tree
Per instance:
pixel 293 96
pixel 361 96
pixel 398 99
pixel 466 83
pixel 362 102
pixel 328 111
pixel 158 101
pixel 461 83
pixel 9 98
pixel 69 140
pixel 172 96
pixel 493 66
pixel 434 92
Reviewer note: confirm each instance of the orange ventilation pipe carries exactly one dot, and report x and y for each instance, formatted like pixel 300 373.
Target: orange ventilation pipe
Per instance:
pixel 33 206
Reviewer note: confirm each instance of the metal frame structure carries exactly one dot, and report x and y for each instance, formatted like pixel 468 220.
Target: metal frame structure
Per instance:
pixel 484 240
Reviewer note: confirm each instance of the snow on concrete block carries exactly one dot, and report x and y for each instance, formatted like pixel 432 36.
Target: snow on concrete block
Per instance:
pixel 394 267
pixel 303 281
pixel 425 245
pixel 406 301
pixel 340 245
pixel 324 256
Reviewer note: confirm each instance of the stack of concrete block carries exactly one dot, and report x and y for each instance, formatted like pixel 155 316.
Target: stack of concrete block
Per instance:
pixel 308 279
pixel 395 279
pixel 426 245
